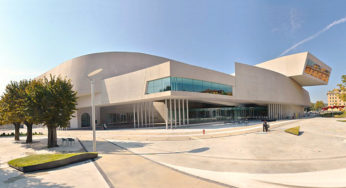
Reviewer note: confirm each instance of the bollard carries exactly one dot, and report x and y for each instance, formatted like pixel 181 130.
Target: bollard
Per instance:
pixel 203 131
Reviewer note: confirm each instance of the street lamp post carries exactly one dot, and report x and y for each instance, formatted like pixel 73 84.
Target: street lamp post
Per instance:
pixel 93 116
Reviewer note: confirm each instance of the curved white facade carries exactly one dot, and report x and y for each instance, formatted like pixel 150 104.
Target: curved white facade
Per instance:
pixel 123 97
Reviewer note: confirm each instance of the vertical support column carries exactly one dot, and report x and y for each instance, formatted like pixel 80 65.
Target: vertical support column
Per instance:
pixel 274 111
pixel 271 111
pixel 279 111
pixel 183 111
pixel 134 115
pixel 153 115
pixel 175 113
pixel 170 112
pixel 187 111
pixel 148 111
pixel 137 109
pixel 179 112
pixel 145 114
pixel 142 122
pixel 149 114
pixel 166 113
pixel 93 118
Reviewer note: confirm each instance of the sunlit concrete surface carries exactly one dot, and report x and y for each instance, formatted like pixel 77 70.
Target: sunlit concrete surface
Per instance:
pixel 249 158
pixel 83 174
pixel 275 158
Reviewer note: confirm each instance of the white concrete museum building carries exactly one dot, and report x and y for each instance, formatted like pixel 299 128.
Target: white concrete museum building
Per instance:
pixel 141 90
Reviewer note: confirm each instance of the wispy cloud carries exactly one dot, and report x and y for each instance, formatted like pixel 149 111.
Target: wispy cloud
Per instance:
pixel 295 22
pixel 336 22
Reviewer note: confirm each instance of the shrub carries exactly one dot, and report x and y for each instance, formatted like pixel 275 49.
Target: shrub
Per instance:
pixel 331 114
pixel 343 115
pixel 293 130
pixel 21 134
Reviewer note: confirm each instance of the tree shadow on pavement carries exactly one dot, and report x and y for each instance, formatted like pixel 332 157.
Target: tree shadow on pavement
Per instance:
pixel 13 178
pixel 40 144
pixel 107 147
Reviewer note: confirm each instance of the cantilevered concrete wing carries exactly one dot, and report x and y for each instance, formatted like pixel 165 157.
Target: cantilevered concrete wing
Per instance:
pixel 304 68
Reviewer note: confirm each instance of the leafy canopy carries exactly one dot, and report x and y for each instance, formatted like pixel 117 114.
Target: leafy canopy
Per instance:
pixel 319 105
pixel 342 86
pixel 53 100
pixel 12 108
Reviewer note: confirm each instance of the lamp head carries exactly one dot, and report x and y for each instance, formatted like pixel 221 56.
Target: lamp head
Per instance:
pixel 95 72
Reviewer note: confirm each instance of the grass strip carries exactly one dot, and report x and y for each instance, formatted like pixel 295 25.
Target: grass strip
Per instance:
pixel 41 159
pixel 293 130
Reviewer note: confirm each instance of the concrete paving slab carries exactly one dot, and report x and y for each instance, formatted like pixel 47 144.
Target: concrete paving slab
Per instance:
pixel 126 169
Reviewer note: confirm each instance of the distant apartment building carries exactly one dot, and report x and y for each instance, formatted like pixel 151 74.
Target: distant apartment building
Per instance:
pixel 334 99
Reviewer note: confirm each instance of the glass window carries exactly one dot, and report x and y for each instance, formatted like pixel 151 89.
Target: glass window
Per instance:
pixel 166 84
pixel 316 70
pixel 179 84
pixel 197 85
pixel 186 84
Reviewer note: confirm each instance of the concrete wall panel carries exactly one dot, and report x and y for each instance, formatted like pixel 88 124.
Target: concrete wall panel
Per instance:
pixel 261 85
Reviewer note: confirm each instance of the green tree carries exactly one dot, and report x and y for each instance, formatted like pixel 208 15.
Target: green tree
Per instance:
pixel 55 102
pixel 342 87
pixel 312 106
pixel 2 120
pixel 319 105
pixel 30 115
pixel 12 108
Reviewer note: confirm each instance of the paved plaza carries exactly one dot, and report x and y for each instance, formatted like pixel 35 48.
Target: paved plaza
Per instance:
pixel 227 155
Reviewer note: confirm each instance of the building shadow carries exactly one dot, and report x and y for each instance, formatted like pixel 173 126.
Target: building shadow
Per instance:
pixel 108 147
pixel 124 144
pixel 13 178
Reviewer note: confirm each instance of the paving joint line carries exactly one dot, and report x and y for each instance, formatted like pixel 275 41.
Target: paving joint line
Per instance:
pixel 103 174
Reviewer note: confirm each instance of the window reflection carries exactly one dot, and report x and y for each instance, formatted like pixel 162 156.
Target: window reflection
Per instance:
pixel 186 84
pixel 316 71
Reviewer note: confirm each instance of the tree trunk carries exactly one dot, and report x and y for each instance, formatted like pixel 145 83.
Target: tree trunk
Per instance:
pixel 28 132
pixel 16 131
pixel 52 137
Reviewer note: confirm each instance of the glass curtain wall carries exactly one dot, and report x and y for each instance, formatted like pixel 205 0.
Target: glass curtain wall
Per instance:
pixel 186 84
pixel 120 118
pixel 227 114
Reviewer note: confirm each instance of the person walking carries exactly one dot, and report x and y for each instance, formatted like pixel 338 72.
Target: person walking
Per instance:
pixel 265 126
pixel 265 129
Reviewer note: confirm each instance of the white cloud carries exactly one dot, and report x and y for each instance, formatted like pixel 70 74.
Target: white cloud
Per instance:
pixel 342 20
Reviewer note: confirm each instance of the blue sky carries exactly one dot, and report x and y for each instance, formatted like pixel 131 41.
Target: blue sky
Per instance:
pixel 36 36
